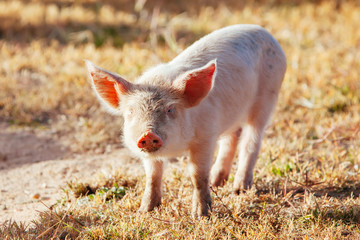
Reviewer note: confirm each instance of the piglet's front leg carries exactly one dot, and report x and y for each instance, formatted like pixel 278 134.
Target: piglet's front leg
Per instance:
pixel 152 194
pixel 199 167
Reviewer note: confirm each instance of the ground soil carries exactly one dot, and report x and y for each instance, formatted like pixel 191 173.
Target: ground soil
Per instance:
pixel 35 167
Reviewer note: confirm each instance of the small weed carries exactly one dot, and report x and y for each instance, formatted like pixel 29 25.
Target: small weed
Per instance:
pixel 337 107
pixel 111 193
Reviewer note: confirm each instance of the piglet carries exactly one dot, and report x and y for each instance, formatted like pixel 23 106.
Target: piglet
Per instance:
pixel 222 89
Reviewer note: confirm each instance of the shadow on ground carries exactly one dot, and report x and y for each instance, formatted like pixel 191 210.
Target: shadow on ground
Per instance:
pixel 21 147
pixel 319 190
pixel 119 33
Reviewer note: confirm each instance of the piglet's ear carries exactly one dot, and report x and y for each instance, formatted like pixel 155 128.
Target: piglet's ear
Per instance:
pixel 195 85
pixel 109 87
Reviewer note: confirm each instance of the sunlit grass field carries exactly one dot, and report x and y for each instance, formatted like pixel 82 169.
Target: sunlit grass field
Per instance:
pixel 307 179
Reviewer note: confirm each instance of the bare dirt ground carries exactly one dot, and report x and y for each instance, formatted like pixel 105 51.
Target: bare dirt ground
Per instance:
pixel 34 167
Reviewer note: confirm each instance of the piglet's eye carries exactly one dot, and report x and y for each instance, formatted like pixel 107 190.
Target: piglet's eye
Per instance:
pixel 170 109
pixel 130 111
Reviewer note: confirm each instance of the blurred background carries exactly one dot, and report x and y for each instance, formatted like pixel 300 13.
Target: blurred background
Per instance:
pixel 43 82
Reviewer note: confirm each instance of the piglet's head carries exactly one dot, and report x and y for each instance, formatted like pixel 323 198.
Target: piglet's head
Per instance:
pixel 155 119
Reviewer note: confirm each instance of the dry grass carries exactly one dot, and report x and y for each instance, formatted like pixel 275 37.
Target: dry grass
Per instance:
pixel 307 180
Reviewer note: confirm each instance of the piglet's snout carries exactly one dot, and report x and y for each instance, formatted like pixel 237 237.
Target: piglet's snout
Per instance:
pixel 149 142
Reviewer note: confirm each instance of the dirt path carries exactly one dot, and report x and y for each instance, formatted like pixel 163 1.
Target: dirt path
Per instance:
pixel 34 167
